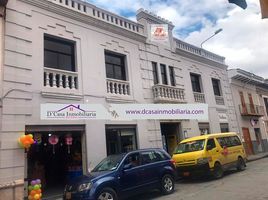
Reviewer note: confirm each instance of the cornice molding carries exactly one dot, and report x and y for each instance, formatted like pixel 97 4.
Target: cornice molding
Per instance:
pixel 201 59
pixel 75 15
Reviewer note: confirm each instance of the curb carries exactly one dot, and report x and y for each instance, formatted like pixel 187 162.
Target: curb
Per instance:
pixel 257 158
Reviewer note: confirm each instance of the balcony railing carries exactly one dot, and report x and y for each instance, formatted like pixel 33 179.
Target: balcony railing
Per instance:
pixel 100 14
pixel 198 51
pixel 55 78
pixel 199 97
pixel 164 93
pixel 117 87
pixel 219 100
pixel 251 110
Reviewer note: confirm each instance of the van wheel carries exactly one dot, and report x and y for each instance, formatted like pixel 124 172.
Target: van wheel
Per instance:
pixel 240 164
pixel 167 184
pixel 107 194
pixel 218 171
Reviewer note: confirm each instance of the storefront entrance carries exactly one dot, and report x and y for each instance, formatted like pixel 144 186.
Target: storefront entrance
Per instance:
pixel 170 136
pixel 55 158
pixel 120 138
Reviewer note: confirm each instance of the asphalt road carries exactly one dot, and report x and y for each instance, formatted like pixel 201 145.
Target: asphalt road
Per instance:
pixel 251 184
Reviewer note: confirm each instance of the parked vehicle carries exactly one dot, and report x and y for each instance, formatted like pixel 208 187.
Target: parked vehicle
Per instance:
pixel 209 154
pixel 120 176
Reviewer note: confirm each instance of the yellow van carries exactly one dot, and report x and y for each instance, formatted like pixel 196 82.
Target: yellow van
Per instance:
pixel 209 154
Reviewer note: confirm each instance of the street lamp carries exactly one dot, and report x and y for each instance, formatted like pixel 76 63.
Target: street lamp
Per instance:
pixel 216 32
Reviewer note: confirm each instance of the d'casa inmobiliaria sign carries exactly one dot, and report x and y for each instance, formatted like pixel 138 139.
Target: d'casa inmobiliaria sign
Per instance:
pixel 123 111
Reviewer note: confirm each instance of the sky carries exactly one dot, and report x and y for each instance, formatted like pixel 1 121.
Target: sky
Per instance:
pixel 243 41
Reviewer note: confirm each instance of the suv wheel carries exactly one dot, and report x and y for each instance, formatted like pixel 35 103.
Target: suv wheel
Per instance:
pixel 167 184
pixel 240 164
pixel 218 171
pixel 107 194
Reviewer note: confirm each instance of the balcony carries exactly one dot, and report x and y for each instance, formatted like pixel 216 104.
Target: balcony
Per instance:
pixel 61 79
pixel 199 97
pixel 117 87
pixel 251 110
pixel 219 100
pixel 164 93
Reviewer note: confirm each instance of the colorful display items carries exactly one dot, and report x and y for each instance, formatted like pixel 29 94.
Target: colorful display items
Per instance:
pixel 35 192
pixel 25 141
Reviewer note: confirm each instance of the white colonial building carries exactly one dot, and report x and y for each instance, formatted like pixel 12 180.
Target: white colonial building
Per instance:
pixel 250 94
pixel 72 52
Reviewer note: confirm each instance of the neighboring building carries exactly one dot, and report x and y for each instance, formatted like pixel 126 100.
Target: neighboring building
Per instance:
pixel 250 94
pixel 71 52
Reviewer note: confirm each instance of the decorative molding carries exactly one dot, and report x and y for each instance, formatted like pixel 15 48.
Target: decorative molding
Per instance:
pixel 84 18
pixel 153 18
pixel 119 100
pixel 194 69
pixel 62 96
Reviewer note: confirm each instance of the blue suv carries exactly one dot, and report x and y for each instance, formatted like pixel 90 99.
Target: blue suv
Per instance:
pixel 124 175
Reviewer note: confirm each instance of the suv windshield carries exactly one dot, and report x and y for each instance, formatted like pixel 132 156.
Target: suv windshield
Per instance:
pixel 109 164
pixel 191 146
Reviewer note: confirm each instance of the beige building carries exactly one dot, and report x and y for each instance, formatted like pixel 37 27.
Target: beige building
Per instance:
pixel 72 52
pixel 251 104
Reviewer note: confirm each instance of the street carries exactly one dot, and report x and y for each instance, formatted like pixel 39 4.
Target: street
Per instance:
pixel 250 184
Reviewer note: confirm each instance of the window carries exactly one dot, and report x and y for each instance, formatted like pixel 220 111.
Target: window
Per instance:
pixel 115 66
pixel 266 104
pixel 211 143
pixel 229 141
pixel 195 79
pixel 204 128
pixel 148 157
pixel 155 74
pixel 191 146
pixel 224 127
pixel 163 74
pixel 172 76
pixel 120 139
pixel 224 142
pixel 216 87
pixel 59 53
pixel 235 141
pixel 133 160
pixel 160 155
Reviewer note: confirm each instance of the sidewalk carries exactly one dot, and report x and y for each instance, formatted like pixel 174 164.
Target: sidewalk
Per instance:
pixel 257 156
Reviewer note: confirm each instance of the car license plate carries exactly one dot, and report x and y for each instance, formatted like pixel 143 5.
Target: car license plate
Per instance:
pixel 68 195
pixel 186 173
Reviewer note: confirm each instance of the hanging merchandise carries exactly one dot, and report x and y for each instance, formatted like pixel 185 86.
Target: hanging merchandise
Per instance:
pixel 68 141
pixel 53 139
pixel 38 138
pixel 35 192
pixel 25 141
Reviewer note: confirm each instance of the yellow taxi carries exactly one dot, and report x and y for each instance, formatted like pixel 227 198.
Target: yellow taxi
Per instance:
pixel 209 154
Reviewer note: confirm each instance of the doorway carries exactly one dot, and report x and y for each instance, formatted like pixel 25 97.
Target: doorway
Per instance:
pixel 248 141
pixel 55 159
pixel 120 138
pixel 170 136
pixel 258 139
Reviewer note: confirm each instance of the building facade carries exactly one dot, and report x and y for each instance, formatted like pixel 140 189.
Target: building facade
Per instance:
pixel 250 97
pixel 72 52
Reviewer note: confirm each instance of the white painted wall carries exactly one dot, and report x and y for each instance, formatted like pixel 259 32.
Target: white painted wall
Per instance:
pixel 23 71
